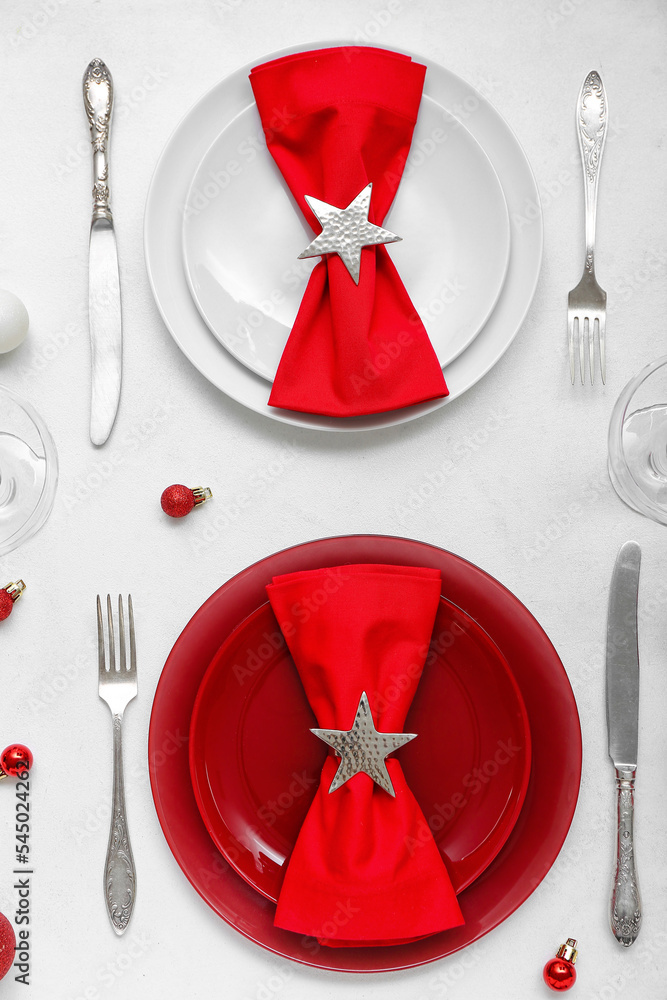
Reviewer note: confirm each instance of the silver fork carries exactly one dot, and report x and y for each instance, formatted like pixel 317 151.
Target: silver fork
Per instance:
pixel 587 303
pixel 117 687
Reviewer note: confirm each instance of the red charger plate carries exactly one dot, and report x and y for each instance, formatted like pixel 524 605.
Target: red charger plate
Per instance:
pixel 551 797
pixel 255 765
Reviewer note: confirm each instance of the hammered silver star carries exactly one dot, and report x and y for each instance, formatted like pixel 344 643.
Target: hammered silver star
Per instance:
pixel 363 748
pixel 346 230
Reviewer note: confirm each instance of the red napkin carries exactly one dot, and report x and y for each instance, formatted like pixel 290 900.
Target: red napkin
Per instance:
pixel 335 120
pixel 353 878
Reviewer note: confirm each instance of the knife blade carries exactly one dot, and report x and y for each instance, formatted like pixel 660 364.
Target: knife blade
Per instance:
pixel 623 658
pixel 104 301
pixel 623 732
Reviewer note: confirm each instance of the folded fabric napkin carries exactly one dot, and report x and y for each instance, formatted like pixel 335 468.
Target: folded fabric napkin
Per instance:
pixel 335 121
pixel 353 877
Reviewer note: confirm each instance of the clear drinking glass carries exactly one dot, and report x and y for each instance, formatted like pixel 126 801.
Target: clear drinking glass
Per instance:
pixel 28 471
pixel 638 442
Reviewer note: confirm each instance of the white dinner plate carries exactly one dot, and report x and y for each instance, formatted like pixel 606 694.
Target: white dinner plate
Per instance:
pixel 241 243
pixel 163 237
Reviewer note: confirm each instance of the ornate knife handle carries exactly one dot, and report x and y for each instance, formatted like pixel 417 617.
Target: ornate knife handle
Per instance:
pixel 120 875
pixel 592 132
pixel 98 102
pixel 626 906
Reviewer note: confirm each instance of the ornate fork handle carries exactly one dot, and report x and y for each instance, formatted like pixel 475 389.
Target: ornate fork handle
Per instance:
pixel 592 116
pixel 626 907
pixel 98 102
pixel 120 876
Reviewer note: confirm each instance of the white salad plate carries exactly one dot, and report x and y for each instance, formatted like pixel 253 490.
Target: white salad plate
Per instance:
pixel 241 241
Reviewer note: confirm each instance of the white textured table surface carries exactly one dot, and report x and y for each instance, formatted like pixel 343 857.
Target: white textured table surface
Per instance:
pixel 529 502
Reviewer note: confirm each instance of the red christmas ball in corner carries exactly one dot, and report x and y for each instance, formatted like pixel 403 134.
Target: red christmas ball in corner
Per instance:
pixel 8 596
pixel 178 500
pixel 559 972
pixel 14 760
pixel 7 945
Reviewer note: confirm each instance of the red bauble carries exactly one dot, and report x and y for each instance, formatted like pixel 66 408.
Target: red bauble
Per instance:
pixel 8 597
pixel 559 975
pixel 6 605
pixel 15 759
pixel 178 500
pixel 7 945
pixel 559 972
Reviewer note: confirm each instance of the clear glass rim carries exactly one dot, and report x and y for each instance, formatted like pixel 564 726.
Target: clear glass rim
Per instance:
pixel 620 473
pixel 44 504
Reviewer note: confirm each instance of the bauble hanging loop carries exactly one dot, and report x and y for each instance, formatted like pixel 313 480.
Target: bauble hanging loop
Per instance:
pixel 559 972
pixel 8 597
pixel 178 500
pixel 14 760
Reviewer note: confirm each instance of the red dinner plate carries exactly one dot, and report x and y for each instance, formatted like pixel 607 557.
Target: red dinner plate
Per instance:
pixel 255 765
pixel 553 786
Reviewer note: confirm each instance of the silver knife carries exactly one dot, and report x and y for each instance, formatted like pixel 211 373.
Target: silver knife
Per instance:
pixel 104 313
pixel 623 726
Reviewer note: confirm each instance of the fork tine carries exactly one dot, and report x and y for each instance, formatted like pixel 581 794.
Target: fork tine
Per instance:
pixel 121 633
pixel 603 360
pixel 591 349
pixel 112 645
pixel 581 325
pixel 570 344
pixel 133 648
pixel 100 638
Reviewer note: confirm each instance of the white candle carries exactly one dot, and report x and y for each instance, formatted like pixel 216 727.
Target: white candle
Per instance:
pixel 14 321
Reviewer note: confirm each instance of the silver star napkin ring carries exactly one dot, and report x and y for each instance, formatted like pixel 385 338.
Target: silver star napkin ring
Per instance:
pixel 363 748
pixel 346 230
